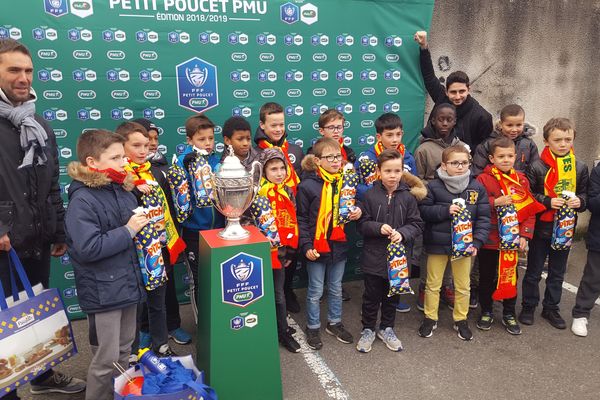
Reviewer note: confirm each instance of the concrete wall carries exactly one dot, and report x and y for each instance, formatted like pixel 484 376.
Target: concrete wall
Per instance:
pixel 541 54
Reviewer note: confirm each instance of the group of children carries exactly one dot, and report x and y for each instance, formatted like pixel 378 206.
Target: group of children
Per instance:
pixel 439 194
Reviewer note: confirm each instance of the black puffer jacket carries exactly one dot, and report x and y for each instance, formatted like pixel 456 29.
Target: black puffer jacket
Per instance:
pixel 471 118
pixel 527 151
pixel 31 207
pixel 308 200
pixel 435 211
pixel 536 173
pixel 294 151
pixel 593 235
pixel 400 211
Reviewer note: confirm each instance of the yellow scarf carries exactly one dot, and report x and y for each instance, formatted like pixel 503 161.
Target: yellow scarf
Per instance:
pixel 284 210
pixel 329 209
pixel 175 244
pixel 561 176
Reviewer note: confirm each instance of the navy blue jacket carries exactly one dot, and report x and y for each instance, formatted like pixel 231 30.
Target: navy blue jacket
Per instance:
pixel 435 211
pixel 593 235
pixel 105 262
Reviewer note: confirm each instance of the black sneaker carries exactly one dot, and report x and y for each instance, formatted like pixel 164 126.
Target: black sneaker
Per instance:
pixel 339 332
pixel 554 318
pixel 462 327
pixel 289 343
pixel 165 351
pixel 291 303
pixel 58 383
pixel 291 330
pixel 427 327
pixel 526 317
pixel 511 324
pixel 345 295
pixel 313 338
pixel 485 321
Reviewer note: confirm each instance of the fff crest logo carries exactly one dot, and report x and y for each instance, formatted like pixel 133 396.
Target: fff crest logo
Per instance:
pixel 242 280
pixel 197 87
pixel 290 13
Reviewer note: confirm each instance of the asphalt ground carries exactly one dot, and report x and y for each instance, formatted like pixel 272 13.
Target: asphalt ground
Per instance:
pixel 542 363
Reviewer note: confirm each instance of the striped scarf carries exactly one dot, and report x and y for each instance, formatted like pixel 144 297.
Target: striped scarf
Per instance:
pixel 292 179
pixel 329 209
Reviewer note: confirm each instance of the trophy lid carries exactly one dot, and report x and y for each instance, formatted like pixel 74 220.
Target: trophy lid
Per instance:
pixel 232 167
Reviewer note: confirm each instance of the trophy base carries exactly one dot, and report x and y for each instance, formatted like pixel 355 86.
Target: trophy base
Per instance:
pixel 233 230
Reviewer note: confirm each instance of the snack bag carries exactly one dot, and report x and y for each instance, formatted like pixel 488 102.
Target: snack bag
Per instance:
pixel 180 192
pixel 367 169
pixel 398 270
pixel 265 219
pixel 508 227
pixel 155 211
pixel 199 169
pixel 462 231
pixel 149 251
pixel 564 225
pixel 347 195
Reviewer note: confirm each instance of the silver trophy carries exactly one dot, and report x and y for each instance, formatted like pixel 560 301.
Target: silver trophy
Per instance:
pixel 234 189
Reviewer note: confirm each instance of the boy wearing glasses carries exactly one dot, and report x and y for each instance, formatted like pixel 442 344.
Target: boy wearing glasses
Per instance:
pixel 331 125
pixel 453 185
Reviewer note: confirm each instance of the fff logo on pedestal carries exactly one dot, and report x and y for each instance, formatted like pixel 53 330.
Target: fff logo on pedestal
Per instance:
pixel 197 88
pixel 242 280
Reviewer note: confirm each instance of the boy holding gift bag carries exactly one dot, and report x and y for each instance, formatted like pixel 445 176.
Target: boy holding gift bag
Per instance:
pixel 100 227
pixel 390 214
pixel 512 225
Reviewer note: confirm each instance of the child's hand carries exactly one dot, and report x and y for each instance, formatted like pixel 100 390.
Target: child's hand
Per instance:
pixel 137 222
pixel 557 202
pixel 454 208
pixel 574 202
pixel 386 230
pixel 523 244
pixel 144 188
pixel 312 255
pixel 503 200
pixel 355 214
pixel 421 39
pixel 473 251
pixel 396 237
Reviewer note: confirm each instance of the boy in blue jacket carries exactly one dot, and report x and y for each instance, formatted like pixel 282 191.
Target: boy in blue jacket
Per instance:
pixel 100 226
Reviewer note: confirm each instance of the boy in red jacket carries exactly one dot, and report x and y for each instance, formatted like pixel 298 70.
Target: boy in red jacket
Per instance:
pixel 504 186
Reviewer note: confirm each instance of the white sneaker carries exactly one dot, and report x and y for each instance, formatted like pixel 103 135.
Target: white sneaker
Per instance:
pixel 579 326
pixel 366 341
pixel 388 336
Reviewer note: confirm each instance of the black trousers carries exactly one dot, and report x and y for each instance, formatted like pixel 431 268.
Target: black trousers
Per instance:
pixel 589 287
pixel 38 271
pixel 280 311
pixel 488 280
pixel 375 297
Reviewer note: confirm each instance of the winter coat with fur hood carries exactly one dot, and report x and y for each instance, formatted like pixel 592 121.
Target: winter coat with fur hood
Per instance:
pixel 399 210
pixel 105 262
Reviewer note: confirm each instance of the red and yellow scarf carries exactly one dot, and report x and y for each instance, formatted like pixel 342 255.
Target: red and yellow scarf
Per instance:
pixel 143 175
pixel 379 148
pixel 523 201
pixel 342 149
pixel 561 176
pixel 329 209
pixel 284 211
pixel 292 179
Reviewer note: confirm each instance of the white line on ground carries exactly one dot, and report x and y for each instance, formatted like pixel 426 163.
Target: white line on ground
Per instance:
pixel 317 364
pixel 566 285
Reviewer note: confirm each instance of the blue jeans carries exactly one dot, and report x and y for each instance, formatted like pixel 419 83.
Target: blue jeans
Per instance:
pixel 316 277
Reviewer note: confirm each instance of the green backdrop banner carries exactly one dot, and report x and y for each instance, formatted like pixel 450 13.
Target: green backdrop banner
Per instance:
pixel 101 62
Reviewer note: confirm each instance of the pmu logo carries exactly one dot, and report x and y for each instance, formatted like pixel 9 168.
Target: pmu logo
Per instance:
pixel 82 8
pixel 150 74
pixel 88 113
pixel 293 39
pixel 392 90
pixel 146 35
pixel 267 75
pixel 121 113
pixel 52 114
pixel 148 55
pixel 52 94
pixel 368 91
pixel 197 86
pixel 66 152
pixel 368 74
pixel 45 75
pixel 239 75
pixel 319 75
pixel 154 112
pixel 209 37
pixel 344 108
pixel 309 14
pixel 344 40
pixel 289 13
pixel 393 40
pixel 391 107
pixel 294 93
pixel 76 34
pixel 369 40
pixel 83 54
pixel 178 36
pixel 241 111
pixel 295 127
pixel 293 75
pixel 117 74
pixel 266 38
pixel 113 34
pixel 237 38
pixel 12 32
pixel 84 74
pixel 39 33
pixel 58 8
pixel 319 39
pixel 392 74
pixel 318 109
pixel 293 110
pixel 344 75
pixel 367 107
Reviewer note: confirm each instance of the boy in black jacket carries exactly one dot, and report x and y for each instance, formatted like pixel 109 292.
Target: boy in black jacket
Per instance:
pixel 454 184
pixel 389 213
pixel 549 177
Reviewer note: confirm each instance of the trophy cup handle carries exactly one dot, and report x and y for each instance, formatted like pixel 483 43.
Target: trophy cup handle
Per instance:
pixel 256 167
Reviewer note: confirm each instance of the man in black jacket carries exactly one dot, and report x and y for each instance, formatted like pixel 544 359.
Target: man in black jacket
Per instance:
pixel 31 208
pixel 471 118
